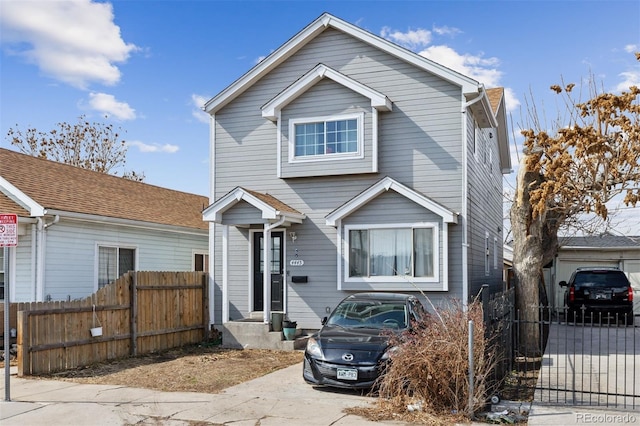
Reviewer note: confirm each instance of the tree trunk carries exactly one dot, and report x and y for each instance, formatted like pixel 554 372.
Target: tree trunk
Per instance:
pixel 527 265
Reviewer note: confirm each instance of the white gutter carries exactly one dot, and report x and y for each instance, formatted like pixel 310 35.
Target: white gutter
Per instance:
pixel 83 217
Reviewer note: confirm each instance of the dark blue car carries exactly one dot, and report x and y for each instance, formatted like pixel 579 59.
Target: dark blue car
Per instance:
pixel 352 348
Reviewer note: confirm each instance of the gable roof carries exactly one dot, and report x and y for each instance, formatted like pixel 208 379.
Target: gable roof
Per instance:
pixel 326 20
pixel 32 187
pixel 270 207
pixel 496 100
pixel 270 109
pixel 383 185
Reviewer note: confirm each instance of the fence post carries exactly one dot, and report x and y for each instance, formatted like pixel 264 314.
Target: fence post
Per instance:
pixel 134 313
pixel 24 339
pixel 205 306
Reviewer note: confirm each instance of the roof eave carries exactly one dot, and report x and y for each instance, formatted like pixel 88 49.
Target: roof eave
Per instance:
pixel 298 41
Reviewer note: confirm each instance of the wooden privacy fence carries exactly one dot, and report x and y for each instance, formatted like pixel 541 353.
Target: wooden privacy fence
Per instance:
pixel 140 313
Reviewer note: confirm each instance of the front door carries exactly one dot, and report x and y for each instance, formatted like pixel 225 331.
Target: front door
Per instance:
pixel 277 283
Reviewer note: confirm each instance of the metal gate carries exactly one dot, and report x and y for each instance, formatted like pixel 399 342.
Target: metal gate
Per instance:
pixel 593 361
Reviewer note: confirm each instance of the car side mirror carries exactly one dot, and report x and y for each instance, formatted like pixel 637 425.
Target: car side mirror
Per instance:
pixel 324 321
pixel 562 283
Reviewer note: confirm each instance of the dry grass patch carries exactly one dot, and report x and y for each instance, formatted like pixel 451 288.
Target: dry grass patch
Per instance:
pixel 199 368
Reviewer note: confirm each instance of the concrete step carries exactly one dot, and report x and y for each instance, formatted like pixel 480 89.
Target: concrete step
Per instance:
pixel 250 334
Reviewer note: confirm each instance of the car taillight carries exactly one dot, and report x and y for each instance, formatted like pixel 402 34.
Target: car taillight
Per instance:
pixel 630 293
pixel 572 294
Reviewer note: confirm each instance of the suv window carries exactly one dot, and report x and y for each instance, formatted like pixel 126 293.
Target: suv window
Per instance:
pixel 601 279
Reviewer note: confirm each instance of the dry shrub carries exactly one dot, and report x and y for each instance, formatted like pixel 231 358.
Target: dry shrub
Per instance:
pixel 428 372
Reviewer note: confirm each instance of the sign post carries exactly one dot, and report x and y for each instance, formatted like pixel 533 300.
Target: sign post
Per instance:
pixel 8 238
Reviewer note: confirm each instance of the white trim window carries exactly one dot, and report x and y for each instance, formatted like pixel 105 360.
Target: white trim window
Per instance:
pixel 331 137
pixel 389 253
pixel 200 261
pixel 113 262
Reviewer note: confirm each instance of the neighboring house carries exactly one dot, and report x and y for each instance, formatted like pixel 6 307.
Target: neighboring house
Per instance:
pixel 600 250
pixel 347 163
pixel 79 230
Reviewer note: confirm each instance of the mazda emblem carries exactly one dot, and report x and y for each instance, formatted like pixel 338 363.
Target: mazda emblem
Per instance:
pixel 347 357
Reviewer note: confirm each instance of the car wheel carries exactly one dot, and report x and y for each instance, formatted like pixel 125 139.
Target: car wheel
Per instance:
pixel 571 316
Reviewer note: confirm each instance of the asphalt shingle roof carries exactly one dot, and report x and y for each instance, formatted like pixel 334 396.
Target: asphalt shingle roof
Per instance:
pixel 601 241
pixel 57 186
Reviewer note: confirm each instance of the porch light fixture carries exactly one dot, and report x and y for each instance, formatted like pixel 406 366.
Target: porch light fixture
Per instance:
pixel 293 236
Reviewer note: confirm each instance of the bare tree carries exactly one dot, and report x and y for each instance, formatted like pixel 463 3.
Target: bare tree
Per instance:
pixel 93 146
pixel 592 157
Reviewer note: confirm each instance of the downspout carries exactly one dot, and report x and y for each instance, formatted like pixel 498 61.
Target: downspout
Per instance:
pixel 465 200
pixel 212 225
pixel 266 273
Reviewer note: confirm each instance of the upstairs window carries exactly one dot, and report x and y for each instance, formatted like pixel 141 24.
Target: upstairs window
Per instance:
pixel 327 137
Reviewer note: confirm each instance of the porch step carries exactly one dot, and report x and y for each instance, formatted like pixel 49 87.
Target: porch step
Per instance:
pixel 248 334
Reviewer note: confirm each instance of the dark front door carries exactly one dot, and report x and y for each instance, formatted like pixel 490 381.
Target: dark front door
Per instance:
pixel 276 267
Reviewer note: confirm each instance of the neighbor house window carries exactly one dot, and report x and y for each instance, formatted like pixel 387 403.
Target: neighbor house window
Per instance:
pixel 387 252
pixel 331 137
pixel 114 262
pixel 201 262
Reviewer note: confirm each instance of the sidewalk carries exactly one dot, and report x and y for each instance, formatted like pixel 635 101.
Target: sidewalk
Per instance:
pixel 280 398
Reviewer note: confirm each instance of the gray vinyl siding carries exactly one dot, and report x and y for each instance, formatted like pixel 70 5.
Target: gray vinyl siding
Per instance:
pixel 420 145
pixel 70 255
pixel 485 210
pixel 327 98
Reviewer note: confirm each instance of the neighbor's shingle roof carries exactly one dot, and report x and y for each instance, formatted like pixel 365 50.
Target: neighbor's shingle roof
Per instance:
pixel 601 241
pixel 57 186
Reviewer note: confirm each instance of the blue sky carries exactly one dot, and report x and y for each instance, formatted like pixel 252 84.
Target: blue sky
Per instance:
pixel 149 65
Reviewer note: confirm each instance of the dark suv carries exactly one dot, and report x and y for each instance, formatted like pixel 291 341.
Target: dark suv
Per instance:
pixel 600 291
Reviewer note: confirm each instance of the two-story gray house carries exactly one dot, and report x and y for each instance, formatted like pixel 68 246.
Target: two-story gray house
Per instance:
pixel 347 163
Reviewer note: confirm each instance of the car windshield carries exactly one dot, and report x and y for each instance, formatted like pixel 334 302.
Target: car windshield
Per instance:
pixel 370 314
pixel 604 279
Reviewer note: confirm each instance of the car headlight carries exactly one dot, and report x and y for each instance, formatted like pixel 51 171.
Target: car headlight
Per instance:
pixel 314 349
pixel 389 353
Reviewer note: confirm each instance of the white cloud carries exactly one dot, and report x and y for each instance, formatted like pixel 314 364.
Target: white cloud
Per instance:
pixel 107 104
pixel 198 102
pixel 144 147
pixel 631 48
pixel 73 41
pixel 481 68
pixel 452 31
pixel 629 78
pixel 412 39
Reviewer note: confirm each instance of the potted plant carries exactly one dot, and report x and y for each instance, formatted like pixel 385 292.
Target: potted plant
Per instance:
pixel 289 329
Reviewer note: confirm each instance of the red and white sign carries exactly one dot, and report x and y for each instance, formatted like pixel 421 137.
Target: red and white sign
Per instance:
pixel 8 230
